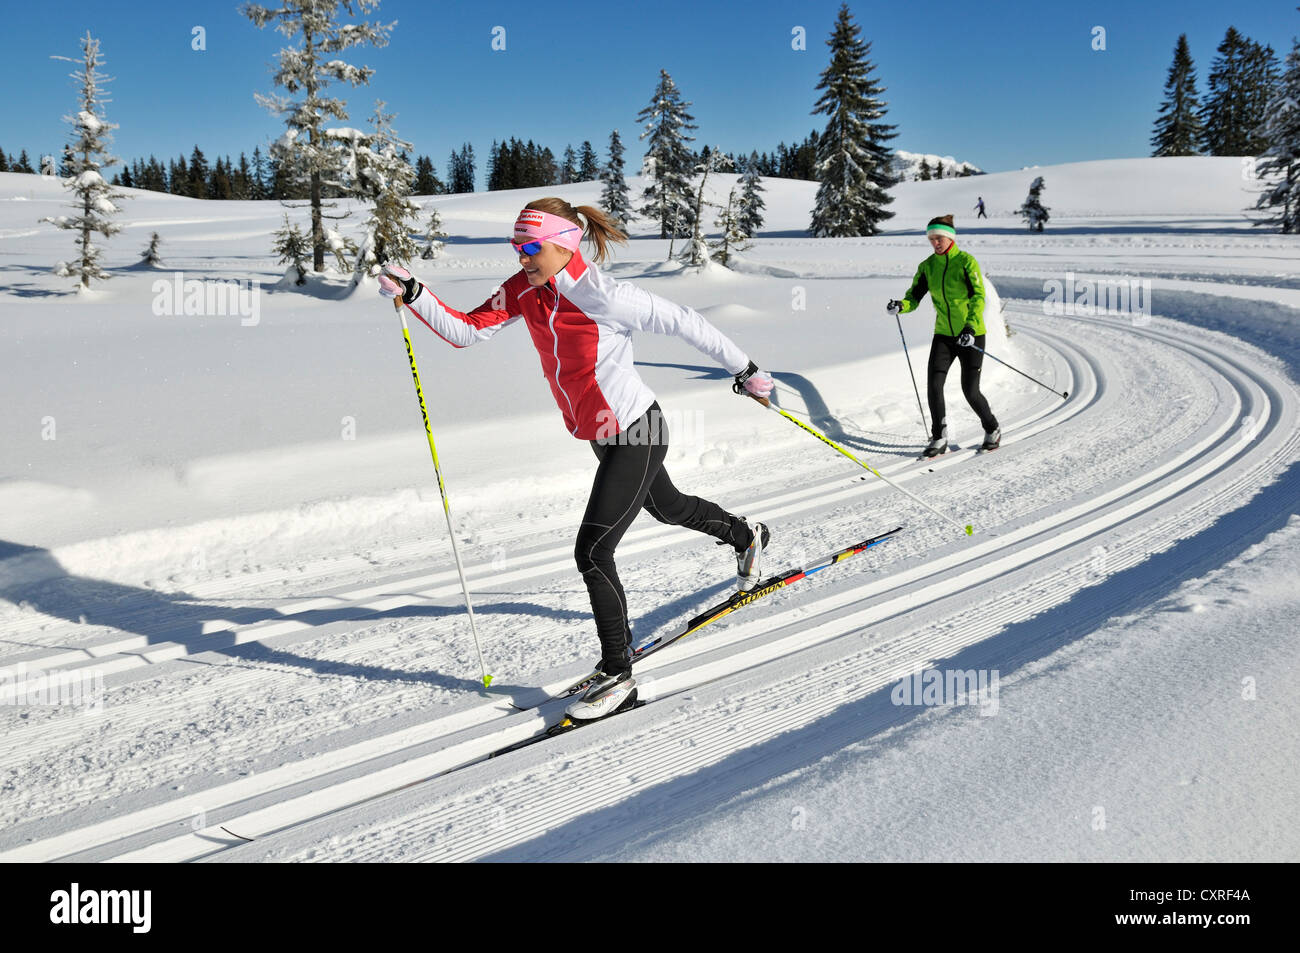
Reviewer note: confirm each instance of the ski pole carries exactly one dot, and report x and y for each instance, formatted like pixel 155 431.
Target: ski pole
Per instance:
pixel 1062 394
pixel 968 529
pixel 442 489
pixel 924 425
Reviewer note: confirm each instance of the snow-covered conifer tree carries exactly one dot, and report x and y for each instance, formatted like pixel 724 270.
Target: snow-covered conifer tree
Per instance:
pixel 433 235
pixel 93 196
pixel 749 213
pixel 668 198
pixel 1279 163
pixel 1241 81
pixel 569 166
pixel 734 237
pixel 712 160
pixel 853 162
pixel 374 170
pixel 614 197
pixel 1033 211
pixel 588 167
pixel 151 256
pixel 308 70
pixel 1178 128
pixel 292 248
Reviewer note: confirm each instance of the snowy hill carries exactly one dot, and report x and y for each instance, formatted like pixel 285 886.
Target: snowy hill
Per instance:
pixel 907 165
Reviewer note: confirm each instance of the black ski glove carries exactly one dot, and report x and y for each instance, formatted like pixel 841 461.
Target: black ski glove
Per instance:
pixel 895 306
pixel 967 337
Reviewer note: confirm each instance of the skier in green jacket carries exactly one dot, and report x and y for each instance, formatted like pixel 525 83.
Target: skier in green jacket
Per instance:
pixel 953 279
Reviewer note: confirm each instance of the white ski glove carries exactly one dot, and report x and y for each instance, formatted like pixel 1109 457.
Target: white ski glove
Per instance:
pixel 754 382
pixel 967 337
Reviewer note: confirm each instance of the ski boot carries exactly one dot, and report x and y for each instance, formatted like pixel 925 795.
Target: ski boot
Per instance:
pixel 937 446
pixel 992 440
pixel 609 692
pixel 749 561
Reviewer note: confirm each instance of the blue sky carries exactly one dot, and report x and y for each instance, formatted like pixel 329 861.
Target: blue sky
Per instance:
pixel 1001 85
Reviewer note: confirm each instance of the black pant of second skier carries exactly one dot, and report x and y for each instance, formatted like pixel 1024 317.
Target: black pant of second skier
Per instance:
pixel 943 349
pixel 631 476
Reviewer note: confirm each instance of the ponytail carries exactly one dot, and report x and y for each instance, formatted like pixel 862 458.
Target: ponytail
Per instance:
pixel 600 229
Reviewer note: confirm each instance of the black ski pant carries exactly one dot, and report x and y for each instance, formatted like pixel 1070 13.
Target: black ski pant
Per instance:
pixel 631 477
pixel 942 351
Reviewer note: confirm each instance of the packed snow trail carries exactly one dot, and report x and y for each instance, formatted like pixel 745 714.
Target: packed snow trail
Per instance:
pixel 1052 498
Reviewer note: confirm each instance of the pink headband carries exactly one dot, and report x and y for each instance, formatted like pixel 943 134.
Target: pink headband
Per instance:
pixel 543 226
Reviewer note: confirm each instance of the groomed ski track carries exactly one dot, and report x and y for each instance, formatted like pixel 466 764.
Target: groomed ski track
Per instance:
pixel 1092 506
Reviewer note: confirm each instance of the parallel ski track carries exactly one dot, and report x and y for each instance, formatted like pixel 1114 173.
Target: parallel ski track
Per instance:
pixel 400 745
pixel 285 798
pixel 526 798
pixel 113 654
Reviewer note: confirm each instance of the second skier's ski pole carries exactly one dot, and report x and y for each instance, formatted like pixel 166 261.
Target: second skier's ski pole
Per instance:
pixel 1059 393
pixel 442 489
pixel 968 529
pixel 925 426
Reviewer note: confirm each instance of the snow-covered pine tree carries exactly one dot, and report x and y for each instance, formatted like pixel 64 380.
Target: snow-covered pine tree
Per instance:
pixel 749 214
pixel 260 185
pixel 196 186
pixel 1262 76
pixel 853 161
pixel 711 160
pixel 293 249
pixel 588 167
pixel 426 180
pixel 1033 211
pixel 614 197
pixel 375 171
pixel 734 238
pixel 308 70
pixel 569 166
pixel 1279 163
pixel 1241 82
pixel 434 236
pixel 1178 127
pixel 667 197
pixel 24 164
pixel 151 256
pixel 924 175
pixel 93 196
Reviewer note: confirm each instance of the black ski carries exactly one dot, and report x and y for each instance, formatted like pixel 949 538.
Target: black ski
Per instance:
pixel 726 607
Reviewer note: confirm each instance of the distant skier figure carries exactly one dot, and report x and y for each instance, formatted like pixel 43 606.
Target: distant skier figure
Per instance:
pixel 953 279
pixel 581 322
pixel 980 206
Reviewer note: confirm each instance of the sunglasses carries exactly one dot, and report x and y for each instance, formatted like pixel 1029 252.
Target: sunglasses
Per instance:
pixel 533 246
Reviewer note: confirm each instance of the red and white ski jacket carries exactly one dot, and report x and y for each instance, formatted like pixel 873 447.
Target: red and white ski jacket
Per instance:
pixel 582 323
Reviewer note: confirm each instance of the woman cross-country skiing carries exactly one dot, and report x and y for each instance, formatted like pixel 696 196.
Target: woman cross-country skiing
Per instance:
pixel 581 322
pixel 953 279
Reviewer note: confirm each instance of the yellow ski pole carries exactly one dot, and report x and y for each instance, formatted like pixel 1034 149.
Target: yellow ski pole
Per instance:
pixel 442 489
pixel 968 529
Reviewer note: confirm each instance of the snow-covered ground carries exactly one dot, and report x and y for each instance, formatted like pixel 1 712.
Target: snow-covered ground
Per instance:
pixel 225 527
